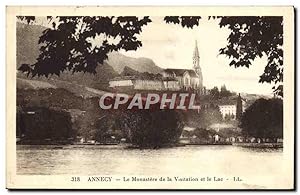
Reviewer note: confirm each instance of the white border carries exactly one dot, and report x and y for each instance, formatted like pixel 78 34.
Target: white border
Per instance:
pixel 107 2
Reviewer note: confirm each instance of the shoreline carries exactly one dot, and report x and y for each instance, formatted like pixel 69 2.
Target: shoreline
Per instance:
pixel 128 146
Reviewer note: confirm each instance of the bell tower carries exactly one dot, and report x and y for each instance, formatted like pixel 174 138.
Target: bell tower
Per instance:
pixel 196 63
pixel 196 58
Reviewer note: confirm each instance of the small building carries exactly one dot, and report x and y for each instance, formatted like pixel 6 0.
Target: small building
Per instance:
pixel 232 109
pixel 184 140
pixel 136 83
pixel 228 110
pixel 91 141
pixel 216 138
pixel 240 139
pixel 252 139
pixel 125 81
pixel 279 140
pixel 232 139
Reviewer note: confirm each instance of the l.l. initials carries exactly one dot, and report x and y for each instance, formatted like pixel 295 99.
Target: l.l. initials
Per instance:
pixel 237 179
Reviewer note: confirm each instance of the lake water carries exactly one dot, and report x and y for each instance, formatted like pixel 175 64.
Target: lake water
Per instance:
pixel 115 160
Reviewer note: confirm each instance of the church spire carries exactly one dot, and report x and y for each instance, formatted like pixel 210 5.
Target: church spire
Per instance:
pixel 197 68
pixel 196 59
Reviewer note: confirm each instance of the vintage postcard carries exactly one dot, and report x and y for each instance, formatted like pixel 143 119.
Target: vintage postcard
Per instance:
pixel 150 98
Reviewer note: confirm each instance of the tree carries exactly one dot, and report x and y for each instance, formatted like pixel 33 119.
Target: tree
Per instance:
pixel 224 92
pixel 227 117
pixel 104 126
pixel 45 123
pixel 215 93
pixel 250 37
pixel 201 133
pixel 263 119
pixel 152 128
pixel 204 118
pixel 211 116
pixel 127 71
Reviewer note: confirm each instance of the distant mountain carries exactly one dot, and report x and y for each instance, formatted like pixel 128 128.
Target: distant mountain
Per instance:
pixel 119 61
pixel 98 81
pixel 249 96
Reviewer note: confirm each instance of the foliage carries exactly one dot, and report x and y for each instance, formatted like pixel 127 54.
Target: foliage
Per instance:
pixel 263 119
pixel 185 21
pixel 92 124
pixel 210 116
pixel 204 118
pixel 152 128
pixel 67 45
pixel 127 71
pixel 224 92
pixel 104 127
pixel 229 117
pixel 60 98
pixel 201 133
pixel 253 37
pixel 44 123
pixel 250 37
pixel 215 93
pixel 84 124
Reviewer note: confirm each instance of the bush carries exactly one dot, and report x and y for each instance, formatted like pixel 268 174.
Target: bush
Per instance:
pixel 148 128
pixel 263 119
pixel 45 123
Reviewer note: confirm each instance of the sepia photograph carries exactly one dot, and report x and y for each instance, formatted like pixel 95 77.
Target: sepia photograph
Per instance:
pixel 133 98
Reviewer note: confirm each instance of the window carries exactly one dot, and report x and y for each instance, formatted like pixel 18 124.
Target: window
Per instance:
pixel 186 81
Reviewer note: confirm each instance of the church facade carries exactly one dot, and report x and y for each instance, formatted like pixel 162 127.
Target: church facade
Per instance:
pixel 171 79
pixel 187 78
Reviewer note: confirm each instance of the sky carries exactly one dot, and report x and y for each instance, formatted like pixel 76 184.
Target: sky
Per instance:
pixel 171 46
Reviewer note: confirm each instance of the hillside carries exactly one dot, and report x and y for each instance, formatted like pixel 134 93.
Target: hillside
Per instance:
pixel 56 85
pixel 33 84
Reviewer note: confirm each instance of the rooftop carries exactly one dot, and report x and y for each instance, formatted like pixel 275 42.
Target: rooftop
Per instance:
pixel 180 72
